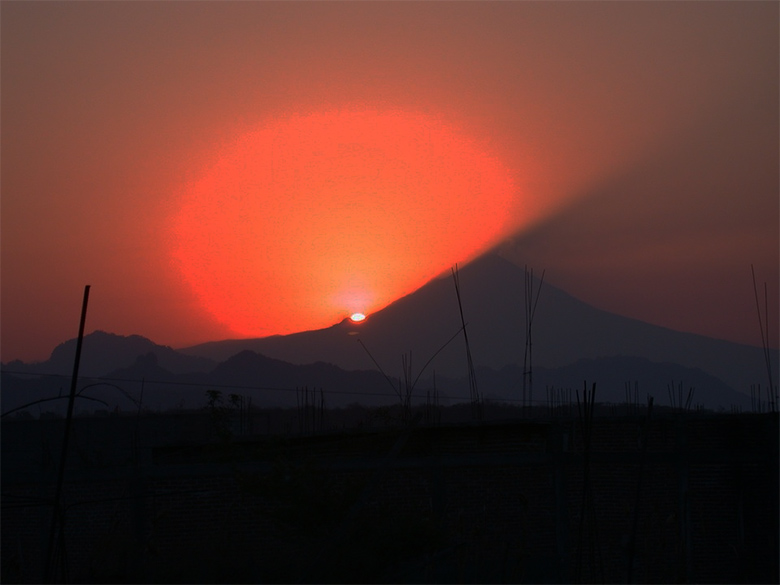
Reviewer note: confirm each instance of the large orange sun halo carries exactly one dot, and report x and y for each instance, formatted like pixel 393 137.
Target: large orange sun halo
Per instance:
pixel 311 218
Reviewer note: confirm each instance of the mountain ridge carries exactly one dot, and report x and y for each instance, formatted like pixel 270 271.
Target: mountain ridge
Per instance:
pixel 565 330
pixel 103 351
pixel 273 383
pixel 427 323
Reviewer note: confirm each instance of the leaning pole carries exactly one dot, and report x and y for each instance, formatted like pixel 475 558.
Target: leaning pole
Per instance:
pixel 56 512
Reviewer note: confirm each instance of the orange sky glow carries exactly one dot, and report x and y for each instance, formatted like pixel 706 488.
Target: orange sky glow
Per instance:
pixel 312 218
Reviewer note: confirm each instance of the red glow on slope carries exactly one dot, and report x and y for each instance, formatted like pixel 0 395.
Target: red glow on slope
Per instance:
pixel 315 217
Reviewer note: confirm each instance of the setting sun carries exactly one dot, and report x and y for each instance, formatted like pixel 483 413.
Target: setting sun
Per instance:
pixel 357 317
pixel 313 216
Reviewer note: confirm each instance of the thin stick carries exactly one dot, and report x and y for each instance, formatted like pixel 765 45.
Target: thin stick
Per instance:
pixel 389 381
pixel 476 410
pixel 49 575
pixel 764 338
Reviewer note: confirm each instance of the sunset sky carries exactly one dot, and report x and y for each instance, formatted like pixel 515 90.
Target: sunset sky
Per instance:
pixel 216 169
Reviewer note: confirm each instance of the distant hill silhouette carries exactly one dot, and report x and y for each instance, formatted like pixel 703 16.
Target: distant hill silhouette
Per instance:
pixel 573 342
pixel 275 383
pixel 611 376
pixel 103 352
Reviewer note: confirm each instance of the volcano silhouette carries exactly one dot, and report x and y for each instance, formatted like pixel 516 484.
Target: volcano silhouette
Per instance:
pixel 565 330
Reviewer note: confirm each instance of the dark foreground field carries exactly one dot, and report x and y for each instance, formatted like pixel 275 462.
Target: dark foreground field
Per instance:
pixel 392 495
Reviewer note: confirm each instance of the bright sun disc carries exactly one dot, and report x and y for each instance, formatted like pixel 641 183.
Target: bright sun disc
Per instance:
pixel 358 317
pixel 297 222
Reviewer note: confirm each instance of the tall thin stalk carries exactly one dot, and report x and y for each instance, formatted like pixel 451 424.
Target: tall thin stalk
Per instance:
pixel 531 301
pixel 765 339
pixel 476 401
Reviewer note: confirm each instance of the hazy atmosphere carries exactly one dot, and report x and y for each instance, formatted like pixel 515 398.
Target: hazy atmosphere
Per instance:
pixel 632 149
pixel 390 292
